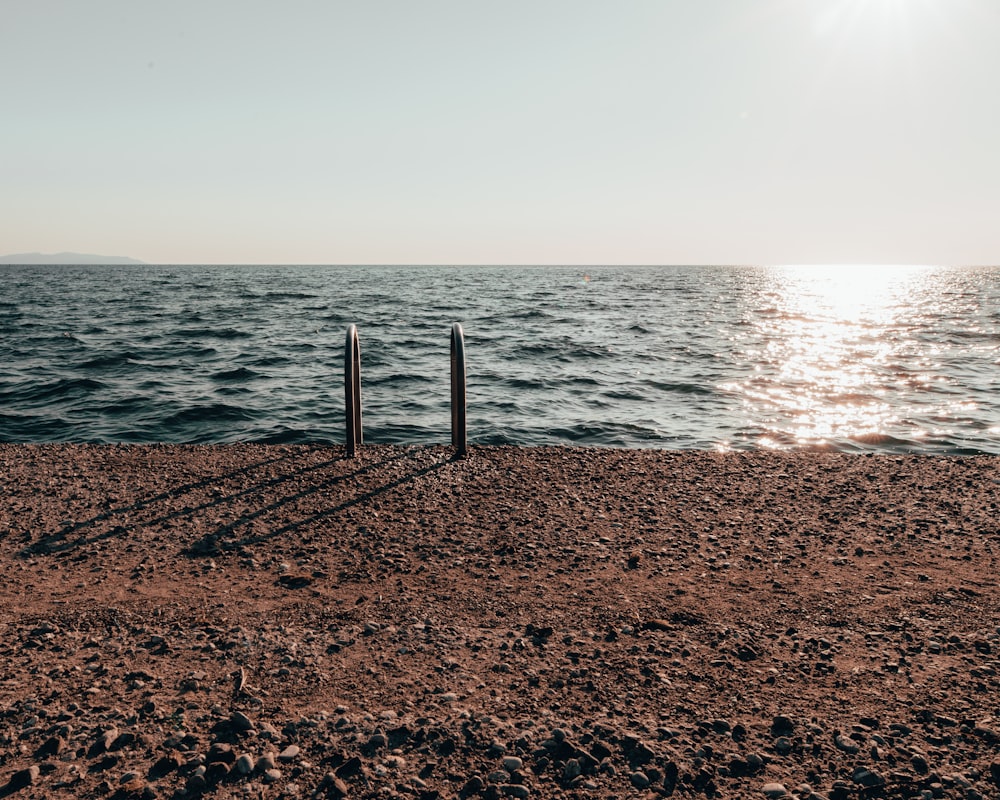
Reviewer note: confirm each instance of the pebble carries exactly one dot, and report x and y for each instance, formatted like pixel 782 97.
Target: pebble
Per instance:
pixel 774 790
pixel 241 721
pixel 868 778
pixel 245 764
pixel 24 777
pixel 216 772
pixel 266 762
pixel 782 726
pixel 639 779
pixel 512 763
pixel 272 776
pixel 290 753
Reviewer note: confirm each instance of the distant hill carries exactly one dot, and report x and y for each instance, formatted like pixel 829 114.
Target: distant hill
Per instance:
pixel 65 258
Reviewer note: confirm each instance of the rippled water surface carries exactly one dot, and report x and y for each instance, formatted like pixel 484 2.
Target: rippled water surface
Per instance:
pixel 885 359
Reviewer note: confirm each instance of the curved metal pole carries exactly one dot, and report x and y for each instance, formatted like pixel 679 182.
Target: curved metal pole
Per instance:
pixel 459 439
pixel 352 391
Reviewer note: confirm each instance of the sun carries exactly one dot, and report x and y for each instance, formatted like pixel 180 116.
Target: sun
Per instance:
pixel 853 18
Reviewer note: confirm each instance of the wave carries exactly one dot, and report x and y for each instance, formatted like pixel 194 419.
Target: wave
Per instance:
pixel 110 360
pixel 679 388
pixel 208 412
pixel 31 394
pixel 234 375
pixel 197 334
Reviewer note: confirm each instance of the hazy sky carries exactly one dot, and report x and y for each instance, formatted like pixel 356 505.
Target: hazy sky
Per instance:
pixel 546 131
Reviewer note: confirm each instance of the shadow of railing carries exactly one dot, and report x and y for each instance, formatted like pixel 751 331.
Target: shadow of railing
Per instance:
pixel 60 541
pixel 216 542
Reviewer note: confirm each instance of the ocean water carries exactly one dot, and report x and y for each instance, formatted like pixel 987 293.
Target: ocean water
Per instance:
pixel 850 359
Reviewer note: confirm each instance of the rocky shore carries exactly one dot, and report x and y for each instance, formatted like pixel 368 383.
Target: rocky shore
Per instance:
pixel 249 621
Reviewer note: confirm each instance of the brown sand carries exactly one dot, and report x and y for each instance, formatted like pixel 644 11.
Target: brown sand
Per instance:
pixel 254 621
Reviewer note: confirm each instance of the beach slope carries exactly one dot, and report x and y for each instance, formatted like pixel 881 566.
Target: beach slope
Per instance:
pixel 279 621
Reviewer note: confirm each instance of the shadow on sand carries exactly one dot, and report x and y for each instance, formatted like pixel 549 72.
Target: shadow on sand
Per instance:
pixel 80 534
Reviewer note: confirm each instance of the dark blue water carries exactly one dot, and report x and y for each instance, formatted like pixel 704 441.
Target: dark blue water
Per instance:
pixel 883 359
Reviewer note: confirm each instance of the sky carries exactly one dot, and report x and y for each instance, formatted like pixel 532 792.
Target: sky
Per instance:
pixel 514 132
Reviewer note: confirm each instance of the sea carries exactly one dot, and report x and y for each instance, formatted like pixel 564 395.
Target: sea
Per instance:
pixel 850 359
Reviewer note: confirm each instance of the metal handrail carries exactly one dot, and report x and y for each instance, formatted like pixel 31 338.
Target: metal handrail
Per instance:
pixel 352 391
pixel 459 437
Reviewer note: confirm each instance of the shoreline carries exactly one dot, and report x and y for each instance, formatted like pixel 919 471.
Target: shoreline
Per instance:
pixel 686 623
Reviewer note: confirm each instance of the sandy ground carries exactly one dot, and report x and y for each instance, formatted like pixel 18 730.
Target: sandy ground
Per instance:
pixel 253 621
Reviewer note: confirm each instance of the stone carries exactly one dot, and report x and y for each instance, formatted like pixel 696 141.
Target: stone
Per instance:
pixel 52 746
pixel 165 765
pixel 335 787
pixel 221 752
pixel 515 790
pixel 272 776
pixel 216 772
pixel 266 762
pixel 241 722
pixel 123 740
pixel 474 785
pixel 783 745
pixel 512 763
pixel 774 790
pixel 639 779
pixel 846 744
pixel 782 726
pixel 23 777
pixel 289 754
pixel 867 778
pixel 245 764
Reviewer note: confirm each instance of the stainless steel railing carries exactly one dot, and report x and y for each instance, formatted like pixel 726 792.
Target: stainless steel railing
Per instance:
pixel 352 393
pixel 459 437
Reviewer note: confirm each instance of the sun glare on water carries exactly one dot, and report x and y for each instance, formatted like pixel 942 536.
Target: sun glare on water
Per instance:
pixel 830 341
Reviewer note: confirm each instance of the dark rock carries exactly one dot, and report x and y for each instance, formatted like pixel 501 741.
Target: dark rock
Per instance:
pixel 240 722
pixel 165 765
pixel 216 772
pixel 867 778
pixel 52 746
pixel 782 726
pixel 350 768
pixel 640 754
pixel 123 740
pixel 746 653
pixel 23 777
pixel 222 753
pixel 244 764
